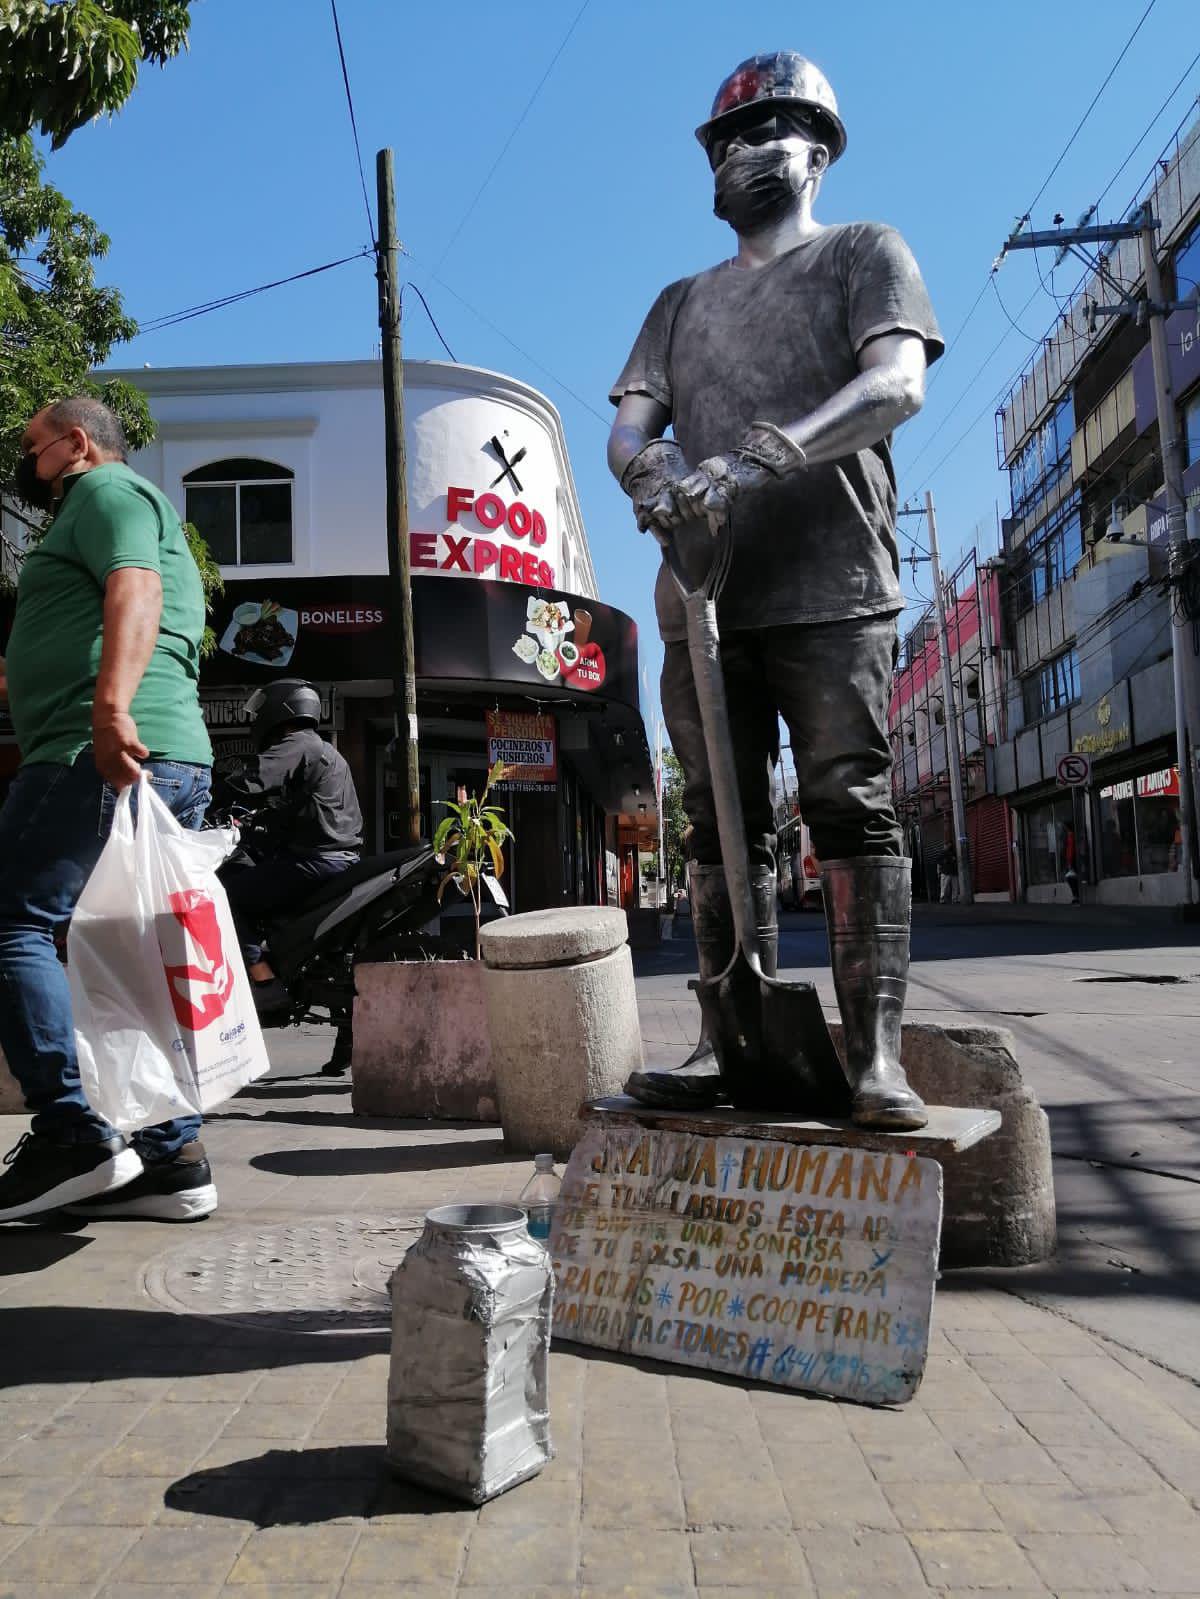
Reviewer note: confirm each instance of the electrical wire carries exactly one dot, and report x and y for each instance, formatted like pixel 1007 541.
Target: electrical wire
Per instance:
pixel 1009 317
pixel 606 422
pixel 505 147
pixel 433 320
pixel 1092 104
pixel 1112 182
pixel 966 389
pixel 362 177
pixel 975 304
pixel 173 318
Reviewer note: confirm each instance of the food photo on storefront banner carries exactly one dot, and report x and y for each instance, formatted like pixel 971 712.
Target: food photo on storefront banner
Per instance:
pixel 333 629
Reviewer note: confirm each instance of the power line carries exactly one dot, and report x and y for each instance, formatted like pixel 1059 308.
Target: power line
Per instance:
pixel 1092 105
pixel 433 320
pixel 512 343
pixel 966 389
pixel 156 324
pixel 1111 184
pixel 975 304
pixel 505 147
pixel 362 177
pixel 1013 324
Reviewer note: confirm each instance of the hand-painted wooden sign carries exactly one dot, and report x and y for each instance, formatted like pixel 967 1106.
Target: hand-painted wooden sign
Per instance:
pixel 809 1266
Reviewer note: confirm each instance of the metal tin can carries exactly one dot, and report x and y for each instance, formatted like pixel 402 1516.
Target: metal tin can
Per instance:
pixel 468 1407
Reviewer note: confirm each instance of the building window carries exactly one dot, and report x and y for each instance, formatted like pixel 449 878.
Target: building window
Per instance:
pixel 1187 266
pixel 1139 824
pixel 1048 557
pixel 1050 842
pixel 1191 421
pixel 1053 687
pixel 243 509
pixel 1045 459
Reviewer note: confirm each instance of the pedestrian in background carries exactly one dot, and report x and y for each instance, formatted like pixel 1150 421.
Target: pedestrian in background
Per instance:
pixel 947 866
pixel 102 680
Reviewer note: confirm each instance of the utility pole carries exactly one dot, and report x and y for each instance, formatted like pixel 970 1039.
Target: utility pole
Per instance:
pixel 966 889
pixel 402 751
pixel 1153 310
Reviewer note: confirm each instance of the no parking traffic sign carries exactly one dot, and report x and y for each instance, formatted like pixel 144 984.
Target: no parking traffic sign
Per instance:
pixel 1074 770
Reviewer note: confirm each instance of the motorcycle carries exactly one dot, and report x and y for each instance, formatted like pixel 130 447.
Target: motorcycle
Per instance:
pixel 380 909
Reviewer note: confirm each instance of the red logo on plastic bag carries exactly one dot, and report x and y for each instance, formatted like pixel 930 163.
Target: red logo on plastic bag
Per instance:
pixel 200 987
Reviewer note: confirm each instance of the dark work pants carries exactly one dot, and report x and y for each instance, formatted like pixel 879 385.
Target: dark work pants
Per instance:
pixel 830 682
pixel 257 892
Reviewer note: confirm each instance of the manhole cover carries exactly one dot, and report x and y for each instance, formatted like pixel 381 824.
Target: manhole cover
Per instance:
pixel 325 1276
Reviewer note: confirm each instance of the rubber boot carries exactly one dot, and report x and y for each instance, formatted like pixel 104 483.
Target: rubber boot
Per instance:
pixel 868 907
pixel 698 1083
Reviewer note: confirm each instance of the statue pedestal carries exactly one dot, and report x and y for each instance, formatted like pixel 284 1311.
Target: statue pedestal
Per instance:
pixel 800 1253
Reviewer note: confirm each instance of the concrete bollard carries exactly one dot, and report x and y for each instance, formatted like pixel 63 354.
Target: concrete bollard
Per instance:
pixel 999 1195
pixel 563 1018
pixel 12 1101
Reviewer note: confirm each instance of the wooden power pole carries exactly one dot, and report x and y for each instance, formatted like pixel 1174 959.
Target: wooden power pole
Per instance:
pixel 966 887
pixel 402 751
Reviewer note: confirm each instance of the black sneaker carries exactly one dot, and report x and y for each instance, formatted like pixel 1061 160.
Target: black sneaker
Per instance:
pixel 179 1189
pixel 43 1175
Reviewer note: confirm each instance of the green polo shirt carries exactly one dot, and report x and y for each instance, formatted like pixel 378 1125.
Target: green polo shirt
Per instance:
pixel 110 518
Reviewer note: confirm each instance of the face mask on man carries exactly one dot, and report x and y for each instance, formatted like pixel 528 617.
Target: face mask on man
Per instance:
pixel 755 187
pixel 31 488
pixel 35 491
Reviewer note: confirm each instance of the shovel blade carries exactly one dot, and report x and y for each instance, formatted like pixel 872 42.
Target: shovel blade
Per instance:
pixel 773 1044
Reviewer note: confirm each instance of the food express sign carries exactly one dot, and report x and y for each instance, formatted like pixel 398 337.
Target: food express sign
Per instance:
pixel 486 536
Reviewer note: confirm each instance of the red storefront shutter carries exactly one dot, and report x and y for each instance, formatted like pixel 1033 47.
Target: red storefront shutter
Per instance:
pixel 987 828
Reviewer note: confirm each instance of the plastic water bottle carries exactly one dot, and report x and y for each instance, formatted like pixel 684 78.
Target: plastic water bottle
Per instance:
pixel 539 1196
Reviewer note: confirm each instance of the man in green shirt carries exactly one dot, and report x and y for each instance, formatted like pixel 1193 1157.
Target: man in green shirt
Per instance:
pixel 102 676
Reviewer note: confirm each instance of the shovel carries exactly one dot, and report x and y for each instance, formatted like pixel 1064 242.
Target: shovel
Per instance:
pixel 770 1037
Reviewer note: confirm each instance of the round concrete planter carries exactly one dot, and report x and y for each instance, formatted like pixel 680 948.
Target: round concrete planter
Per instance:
pixel 562 1011
pixel 421 1044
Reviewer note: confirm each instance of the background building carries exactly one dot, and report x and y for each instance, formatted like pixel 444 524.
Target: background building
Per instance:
pixel 917 726
pixel 1083 606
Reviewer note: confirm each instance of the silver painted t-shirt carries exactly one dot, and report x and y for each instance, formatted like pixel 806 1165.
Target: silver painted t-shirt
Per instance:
pixel 736 345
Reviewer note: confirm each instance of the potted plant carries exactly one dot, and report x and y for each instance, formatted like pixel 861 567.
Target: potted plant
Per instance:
pixel 470 839
pixel 421 1040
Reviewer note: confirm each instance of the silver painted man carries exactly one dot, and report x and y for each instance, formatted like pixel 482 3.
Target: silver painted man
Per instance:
pixel 781 375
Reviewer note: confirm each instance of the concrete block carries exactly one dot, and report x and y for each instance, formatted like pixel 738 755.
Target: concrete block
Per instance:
pixel 421 1042
pixel 999 1195
pixel 563 1018
pixel 12 1102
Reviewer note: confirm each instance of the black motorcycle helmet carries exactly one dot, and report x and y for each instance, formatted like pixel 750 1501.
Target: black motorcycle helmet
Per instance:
pixel 290 699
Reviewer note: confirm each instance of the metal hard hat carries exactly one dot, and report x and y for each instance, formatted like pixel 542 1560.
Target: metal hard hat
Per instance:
pixel 782 78
pixel 289 699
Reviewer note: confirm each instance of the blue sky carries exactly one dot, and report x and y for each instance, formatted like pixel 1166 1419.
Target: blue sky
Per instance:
pixel 235 165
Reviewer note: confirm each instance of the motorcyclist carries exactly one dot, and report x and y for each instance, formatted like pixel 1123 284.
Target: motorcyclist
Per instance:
pixel 306 813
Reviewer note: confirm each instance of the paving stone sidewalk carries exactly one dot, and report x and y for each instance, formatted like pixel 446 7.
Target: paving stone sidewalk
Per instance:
pixel 151 1451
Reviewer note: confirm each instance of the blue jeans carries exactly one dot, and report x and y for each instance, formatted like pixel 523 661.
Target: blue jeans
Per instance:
pixel 52 828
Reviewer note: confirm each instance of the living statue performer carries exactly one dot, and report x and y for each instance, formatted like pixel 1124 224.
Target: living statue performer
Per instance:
pixel 781 375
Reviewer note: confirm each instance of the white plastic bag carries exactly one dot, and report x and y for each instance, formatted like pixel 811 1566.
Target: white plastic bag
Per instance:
pixel 165 1023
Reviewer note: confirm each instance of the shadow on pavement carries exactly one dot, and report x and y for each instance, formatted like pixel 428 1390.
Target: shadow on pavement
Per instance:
pixel 387 1158
pixel 298 1487
pixel 25 1248
pixel 290 1087
pixel 78 1343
